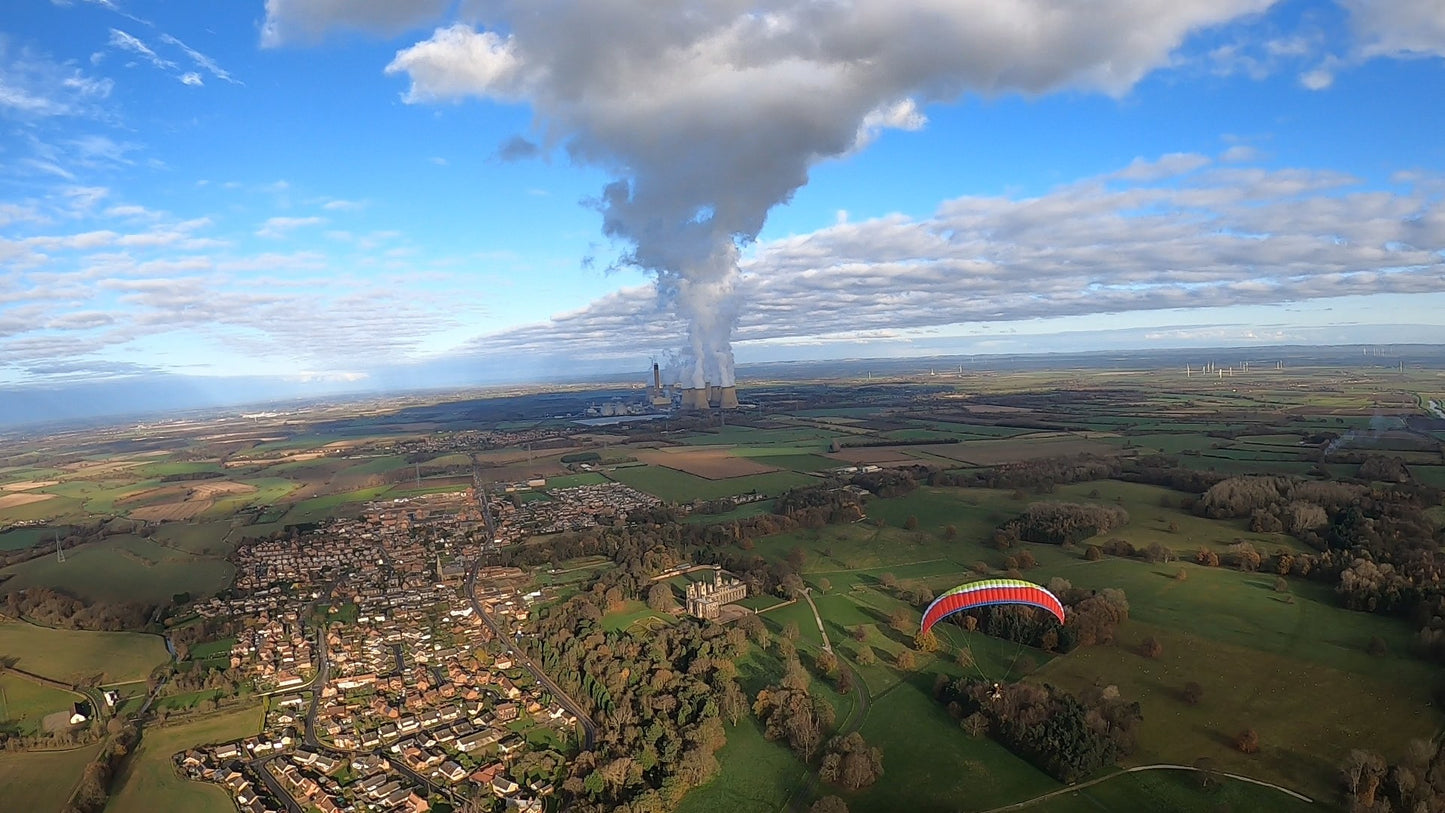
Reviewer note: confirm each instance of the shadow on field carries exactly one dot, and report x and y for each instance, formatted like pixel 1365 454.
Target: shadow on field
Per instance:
pixel 1217 737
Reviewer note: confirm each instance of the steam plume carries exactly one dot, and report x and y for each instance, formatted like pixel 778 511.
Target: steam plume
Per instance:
pixel 708 114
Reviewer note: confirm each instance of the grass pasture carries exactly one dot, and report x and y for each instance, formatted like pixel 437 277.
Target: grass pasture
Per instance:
pixel 633 616
pixel 70 654
pixel 317 509
pixel 42 780
pixel 1308 716
pixel 707 462
pixel 676 486
pixel 198 538
pixel 1170 792
pixel 928 759
pixel 575 480
pixel 124 568
pixel 24 704
pixel 22 538
pixel 150 782
pixel 1012 450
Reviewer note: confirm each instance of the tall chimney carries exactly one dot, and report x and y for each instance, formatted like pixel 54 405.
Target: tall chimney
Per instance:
pixel 729 398
pixel 656 377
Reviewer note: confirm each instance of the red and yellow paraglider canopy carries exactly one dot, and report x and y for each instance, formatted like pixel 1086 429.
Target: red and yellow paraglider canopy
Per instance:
pixel 989 592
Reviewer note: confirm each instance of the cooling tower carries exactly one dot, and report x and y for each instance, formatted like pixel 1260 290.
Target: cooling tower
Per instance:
pixel 714 394
pixel 729 398
pixel 695 398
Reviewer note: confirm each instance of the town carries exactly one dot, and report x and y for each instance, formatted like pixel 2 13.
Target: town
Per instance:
pixel 384 647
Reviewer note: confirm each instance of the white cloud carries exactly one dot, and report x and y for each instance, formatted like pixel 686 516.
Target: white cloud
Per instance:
pixel 34 86
pixel 127 42
pixel 201 60
pixel 1317 78
pixel 1398 27
pixel 1168 166
pixel 191 78
pixel 1239 153
pixel 1218 237
pixel 289 21
pixel 276 227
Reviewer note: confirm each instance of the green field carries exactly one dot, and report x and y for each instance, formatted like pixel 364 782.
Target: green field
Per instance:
pixel 24 704
pixel 199 538
pixel 150 782
pixel 1308 716
pixel 678 486
pixel 574 480
pixel 124 568
pixel 749 509
pixel 42 780
pixel 1169 791
pixel 317 509
pixel 1268 657
pixel 757 774
pixel 66 655
pixel 927 758
pixel 22 538
pixel 632 612
pixel 748 436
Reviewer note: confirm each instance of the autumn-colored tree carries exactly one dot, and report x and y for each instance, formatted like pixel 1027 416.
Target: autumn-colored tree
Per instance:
pixel 790 631
pixel 926 641
pixel 826 662
pixel 824 585
pixel 850 762
pixel 907 661
pixel 1150 647
pixel 859 632
pixel 829 804
pixel 901 620
pixel 1247 742
pixel 975 724
pixel 964 659
pixel 950 532
pixel 797 557
pixel 659 597
pixel 866 656
pixel 1093 553
pixel 910 524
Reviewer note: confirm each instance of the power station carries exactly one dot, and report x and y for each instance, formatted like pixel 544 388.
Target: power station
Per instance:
pixel 664 399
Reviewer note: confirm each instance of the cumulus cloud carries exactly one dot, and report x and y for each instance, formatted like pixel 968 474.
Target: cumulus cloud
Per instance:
pixel 711 114
pixel 1398 27
pixel 289 21
pixel 1127 241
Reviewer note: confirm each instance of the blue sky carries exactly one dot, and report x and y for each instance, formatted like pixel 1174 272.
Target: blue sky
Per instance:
pixel 366 191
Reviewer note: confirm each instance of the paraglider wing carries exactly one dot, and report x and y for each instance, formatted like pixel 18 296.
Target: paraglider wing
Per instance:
pixel 987 592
